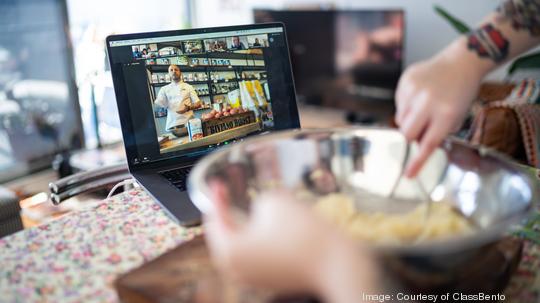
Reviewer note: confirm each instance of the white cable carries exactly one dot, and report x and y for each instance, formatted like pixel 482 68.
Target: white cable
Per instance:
pixel 121 183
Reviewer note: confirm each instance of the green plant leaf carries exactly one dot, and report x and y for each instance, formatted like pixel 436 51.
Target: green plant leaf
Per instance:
pixel 458 25
pixel 530 229
pixel 529 234
pixel 527 61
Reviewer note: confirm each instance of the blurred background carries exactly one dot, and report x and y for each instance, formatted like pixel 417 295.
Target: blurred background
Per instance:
pixel 57 105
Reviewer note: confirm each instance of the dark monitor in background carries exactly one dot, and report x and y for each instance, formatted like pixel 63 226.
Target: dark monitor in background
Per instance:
pixel 39 113
pixel 343 58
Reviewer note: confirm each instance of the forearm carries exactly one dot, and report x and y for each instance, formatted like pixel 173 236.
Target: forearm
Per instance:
pixel 502 36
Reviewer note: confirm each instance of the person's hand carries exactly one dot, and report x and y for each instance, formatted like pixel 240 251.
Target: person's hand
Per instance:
pixel 196 105
pixel 182 109
pixel 285 247
pixel 278 248
pixel 432 100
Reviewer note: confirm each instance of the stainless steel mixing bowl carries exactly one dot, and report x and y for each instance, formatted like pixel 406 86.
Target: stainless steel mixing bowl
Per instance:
pixel 490 190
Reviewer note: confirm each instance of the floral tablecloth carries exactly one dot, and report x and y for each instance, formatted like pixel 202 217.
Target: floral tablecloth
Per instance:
pixel 77 257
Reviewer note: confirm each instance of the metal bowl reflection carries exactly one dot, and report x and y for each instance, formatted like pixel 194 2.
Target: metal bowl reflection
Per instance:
pixel 487 188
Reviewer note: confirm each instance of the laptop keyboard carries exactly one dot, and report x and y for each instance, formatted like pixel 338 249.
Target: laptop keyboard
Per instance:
pixel 177 177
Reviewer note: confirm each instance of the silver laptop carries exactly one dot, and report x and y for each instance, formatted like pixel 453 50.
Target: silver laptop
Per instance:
pixel 183 94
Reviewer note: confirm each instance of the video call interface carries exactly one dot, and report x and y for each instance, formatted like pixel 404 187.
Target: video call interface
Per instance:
pixel 203 90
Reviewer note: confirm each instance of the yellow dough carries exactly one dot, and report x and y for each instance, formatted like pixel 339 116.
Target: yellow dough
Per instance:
pixel 386 228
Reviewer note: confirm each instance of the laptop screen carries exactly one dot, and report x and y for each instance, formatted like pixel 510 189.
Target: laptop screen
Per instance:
pixel 184 93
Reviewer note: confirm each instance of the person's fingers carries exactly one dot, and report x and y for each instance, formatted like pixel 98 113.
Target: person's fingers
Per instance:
pixel 404 96
pixel 435 133
pixel 415 122
pixel 401 113
pixel 222 212
pixel 222 234
pixel 405 103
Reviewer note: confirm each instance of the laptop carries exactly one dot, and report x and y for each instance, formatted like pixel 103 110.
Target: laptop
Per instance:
pixel 183 94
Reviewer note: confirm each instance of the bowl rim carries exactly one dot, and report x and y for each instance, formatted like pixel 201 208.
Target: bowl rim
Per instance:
pixel 443 246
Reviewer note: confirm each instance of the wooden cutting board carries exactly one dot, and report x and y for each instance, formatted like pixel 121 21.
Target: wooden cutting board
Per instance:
pixel 186 274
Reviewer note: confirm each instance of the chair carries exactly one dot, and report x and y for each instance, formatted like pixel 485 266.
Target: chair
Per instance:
pixel 10 219
pixel 86 182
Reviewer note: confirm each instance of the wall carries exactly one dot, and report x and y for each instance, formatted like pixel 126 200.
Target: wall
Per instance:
pixel 90 23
